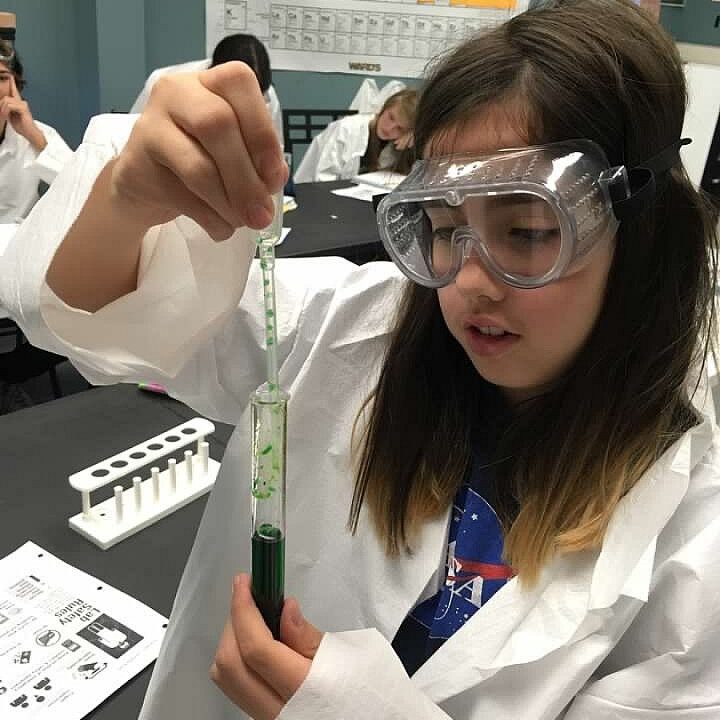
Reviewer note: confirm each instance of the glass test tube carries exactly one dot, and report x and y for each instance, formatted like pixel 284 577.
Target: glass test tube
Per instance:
pixel 269 422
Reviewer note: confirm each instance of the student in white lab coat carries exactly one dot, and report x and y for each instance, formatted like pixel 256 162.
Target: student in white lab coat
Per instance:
pixel 240 46
pixel 536 425
pixel 30 151
pixel 363 143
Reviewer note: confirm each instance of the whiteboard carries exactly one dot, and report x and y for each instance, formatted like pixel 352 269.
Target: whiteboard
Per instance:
pixel 383 37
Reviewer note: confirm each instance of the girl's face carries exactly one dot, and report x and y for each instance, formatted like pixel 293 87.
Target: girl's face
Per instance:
pixel 391 124
pixel 545 327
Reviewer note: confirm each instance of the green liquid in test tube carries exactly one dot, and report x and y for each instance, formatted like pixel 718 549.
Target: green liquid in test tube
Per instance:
pixel 269 426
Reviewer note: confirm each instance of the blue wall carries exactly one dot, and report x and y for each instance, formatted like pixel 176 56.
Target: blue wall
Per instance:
pixel 86 56
pixel 57 42
pixel 694 23
pixel 174 31
pixel 121 52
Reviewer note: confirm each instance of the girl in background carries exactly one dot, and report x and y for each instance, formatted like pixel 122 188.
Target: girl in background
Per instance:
pixel 363 143
pixel 503 483
pixel 30 151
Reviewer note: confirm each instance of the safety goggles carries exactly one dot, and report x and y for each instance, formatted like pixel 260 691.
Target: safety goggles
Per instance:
pixel 530 214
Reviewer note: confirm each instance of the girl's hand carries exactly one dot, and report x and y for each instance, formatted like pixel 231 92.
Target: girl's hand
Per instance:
pixel 260 674
pixel 16 111
pixel 205 147
pixel 405 141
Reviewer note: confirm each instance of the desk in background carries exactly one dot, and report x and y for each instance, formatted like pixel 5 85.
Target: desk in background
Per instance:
pixel 326 224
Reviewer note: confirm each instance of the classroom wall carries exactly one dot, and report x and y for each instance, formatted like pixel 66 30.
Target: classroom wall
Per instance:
pixel 57 43
pixel 86 56
pixel 175 33
pixel 171 32
pixel 693 23
pixel 121 52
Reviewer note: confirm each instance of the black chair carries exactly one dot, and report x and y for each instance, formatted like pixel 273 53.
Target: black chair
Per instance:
pixel 25 361
pixel 8 328
pixel 301 126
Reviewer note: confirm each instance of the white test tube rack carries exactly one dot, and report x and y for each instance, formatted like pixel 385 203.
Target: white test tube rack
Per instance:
pixel 147 500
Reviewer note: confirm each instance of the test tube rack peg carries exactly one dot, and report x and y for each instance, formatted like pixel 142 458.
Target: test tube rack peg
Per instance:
pixel 150 497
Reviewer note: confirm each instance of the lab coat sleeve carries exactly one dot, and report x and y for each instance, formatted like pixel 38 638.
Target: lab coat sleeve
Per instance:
pixel 167 330
pixel 365 100
pixel 185 326
pixel 335 153
pixel 356 675
pixel 54 156
pixel 187 284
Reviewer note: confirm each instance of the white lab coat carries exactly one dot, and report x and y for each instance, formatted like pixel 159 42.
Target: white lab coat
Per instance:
pixel 370 99
pixel 22 168
pixel 195 66
pixel 629 632
pixel 335 153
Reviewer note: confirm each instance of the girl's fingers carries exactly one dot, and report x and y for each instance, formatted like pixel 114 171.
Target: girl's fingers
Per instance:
pixel 283 669
pixel 296 632
pixel 237 84
pixel 13 87
pixel 156 187
pixel 205 147
pixel 206 126
pixel 185 157
pixel 240 684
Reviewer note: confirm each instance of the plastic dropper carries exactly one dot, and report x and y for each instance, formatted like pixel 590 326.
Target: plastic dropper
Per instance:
pixel 269 423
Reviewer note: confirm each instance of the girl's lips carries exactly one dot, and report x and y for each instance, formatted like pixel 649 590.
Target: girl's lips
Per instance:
pixel 488 345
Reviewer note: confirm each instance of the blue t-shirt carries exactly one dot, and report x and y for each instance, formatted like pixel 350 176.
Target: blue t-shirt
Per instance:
pixel 474 572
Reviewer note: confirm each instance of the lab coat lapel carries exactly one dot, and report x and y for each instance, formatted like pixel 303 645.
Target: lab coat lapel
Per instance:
pixel 625 558
pixel 398 584
pixel 514 626
pixel 518 626
pixel 11 144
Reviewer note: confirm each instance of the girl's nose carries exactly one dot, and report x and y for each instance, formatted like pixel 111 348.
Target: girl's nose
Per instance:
pixel 475 280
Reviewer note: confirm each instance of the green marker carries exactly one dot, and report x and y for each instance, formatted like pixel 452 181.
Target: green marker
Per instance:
pixel 269 451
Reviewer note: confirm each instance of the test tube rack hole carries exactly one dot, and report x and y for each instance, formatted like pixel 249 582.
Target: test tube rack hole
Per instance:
pixel 152 497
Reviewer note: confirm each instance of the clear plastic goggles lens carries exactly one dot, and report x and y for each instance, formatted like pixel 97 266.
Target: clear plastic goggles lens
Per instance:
pixel 518 235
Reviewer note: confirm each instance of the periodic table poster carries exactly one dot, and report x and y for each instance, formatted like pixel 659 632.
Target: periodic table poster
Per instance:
pixel 384 37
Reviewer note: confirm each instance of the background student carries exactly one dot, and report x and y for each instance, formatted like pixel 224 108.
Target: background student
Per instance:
pixel 363 143
pixel 30 151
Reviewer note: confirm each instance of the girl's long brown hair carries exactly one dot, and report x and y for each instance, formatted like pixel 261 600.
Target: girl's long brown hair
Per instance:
pixel 596 69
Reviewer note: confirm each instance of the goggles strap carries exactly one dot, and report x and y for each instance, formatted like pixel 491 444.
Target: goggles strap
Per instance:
pixel 643 181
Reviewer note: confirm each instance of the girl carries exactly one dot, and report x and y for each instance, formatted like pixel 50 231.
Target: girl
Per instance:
pixel 363 143
pixel 533 507
pixel 30 151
